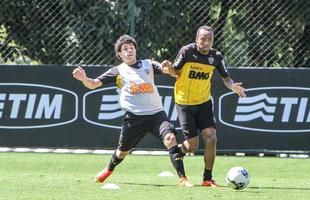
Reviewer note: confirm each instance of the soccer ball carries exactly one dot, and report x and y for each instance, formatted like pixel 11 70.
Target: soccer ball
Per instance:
pixel 238 178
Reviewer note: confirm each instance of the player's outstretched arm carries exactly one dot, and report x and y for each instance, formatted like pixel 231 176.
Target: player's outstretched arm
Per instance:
pixel 80 74
pixel 235 87
pixel 168 69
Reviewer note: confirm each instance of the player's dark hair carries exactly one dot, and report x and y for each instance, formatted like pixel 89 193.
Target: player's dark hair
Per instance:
pixel 208 28
pixel 124 39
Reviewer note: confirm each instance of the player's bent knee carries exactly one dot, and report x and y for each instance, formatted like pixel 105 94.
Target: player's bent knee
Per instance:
pixel 191 145
pixel 170 140
pixel 209 135
pixel 121 154
pixel 192 149
pixel 213 137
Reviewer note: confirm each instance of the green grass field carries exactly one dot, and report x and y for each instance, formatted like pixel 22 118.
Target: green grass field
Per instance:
pixel 46 176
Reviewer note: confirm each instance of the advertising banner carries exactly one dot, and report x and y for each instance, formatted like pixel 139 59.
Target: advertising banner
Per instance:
pixel 44 106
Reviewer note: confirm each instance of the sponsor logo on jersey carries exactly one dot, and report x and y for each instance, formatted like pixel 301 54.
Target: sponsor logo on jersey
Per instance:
pixel 198 75
pixel 101 107
pixel 136 88
pixel 24 105
pixel 196 67
pixel 268 109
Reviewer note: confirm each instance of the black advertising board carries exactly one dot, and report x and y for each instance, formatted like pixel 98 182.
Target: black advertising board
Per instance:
pixel 274 116
pixel 43 106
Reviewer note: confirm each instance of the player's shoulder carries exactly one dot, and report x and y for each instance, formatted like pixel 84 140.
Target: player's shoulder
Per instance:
pixel 146 62
pixel 215 52
pixel 119 65
pixel 115 68
pixel 189 47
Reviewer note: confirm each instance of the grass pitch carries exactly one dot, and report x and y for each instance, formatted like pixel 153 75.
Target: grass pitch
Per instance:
pixel 46 176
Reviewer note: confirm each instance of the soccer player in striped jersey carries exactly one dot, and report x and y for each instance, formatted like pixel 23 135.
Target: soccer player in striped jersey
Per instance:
pixel 140 99
pixel 193 68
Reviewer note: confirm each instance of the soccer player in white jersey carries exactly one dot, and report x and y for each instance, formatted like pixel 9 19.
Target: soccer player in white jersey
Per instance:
pixel 140 99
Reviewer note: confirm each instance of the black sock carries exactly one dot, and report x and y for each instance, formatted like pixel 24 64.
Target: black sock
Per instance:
pixel 207 175
pixel 176 157
pixel 114 161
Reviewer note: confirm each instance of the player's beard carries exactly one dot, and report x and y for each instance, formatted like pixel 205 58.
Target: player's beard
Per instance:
pixel 203 50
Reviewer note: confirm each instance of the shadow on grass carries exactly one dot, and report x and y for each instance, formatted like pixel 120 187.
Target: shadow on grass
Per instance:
pixel 149 184
pixel 222 186
pixel 279 188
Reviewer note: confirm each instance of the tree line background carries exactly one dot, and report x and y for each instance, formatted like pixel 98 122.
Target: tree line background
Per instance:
pixel 250 33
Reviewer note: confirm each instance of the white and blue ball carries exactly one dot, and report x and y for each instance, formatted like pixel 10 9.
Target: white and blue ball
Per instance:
pixel 238 178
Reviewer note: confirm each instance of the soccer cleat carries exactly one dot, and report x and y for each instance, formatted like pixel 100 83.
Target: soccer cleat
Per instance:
pixel 184 182
pixel 102 175
pixel 210 183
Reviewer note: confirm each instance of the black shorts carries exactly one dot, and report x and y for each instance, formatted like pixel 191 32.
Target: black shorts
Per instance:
pixel 135 127
pixel 195 117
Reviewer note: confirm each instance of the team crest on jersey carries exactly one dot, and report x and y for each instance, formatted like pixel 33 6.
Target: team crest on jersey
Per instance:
pixel 211 60
pixel 147 71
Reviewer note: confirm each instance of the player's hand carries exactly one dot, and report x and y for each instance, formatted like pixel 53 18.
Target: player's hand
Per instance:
pixel 168 69
pixel 79 73
pixel 165 65
pixel 237 88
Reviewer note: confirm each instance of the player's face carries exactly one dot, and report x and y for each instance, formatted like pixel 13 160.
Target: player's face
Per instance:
pixel 204 41
pixel 128 53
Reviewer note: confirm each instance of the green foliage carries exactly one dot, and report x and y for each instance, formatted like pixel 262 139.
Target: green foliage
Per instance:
pixel 58 32
pixel 160 33
pixel 163 27
pixel 97 25
pixel 272 31
pixel 11 52
pixel 269 33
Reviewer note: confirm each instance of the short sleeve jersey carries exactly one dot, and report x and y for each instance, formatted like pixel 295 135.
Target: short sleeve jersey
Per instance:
pixel 193 85
pixel 138 93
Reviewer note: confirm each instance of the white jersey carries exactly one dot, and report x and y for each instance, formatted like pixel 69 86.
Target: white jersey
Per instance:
pixel 138 94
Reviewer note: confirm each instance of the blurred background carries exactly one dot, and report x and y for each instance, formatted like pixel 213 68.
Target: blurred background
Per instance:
pixel 250 33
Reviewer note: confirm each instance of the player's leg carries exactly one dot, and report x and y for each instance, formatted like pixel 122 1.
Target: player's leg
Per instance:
pixel 186 115
pixel 210 140
pixel 176 158
pixel 165 130
pixel 206 124
pixel 117 157
pixel 132 132
pixel 176 155
pixel 190 145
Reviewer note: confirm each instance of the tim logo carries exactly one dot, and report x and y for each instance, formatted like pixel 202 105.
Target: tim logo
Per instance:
pixel 101 107
pixel 268 109
pixel 24 105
